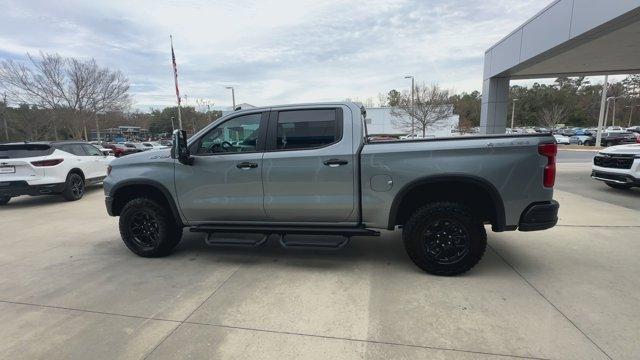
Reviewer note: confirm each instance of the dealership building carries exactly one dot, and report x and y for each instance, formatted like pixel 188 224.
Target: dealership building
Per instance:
pixel 566 38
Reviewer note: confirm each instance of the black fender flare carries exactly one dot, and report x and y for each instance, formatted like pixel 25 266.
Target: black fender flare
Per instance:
pixel 472 179
pixel 158 186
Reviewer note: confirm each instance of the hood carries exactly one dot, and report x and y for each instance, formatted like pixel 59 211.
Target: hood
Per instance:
pixel 623 149
pixel 142 157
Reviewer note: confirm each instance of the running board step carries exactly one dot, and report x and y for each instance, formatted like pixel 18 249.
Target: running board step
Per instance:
pixel 313 244
pixel 212 239
pixel 282 230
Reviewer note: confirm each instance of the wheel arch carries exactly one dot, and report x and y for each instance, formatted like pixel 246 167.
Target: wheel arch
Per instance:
pixel 78 171
pixel 479 194
pixel 133 188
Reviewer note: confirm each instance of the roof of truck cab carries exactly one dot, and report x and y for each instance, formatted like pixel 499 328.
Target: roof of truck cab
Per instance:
pixel 327 103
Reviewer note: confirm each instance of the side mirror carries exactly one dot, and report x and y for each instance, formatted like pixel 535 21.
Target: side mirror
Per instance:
pixel 180 150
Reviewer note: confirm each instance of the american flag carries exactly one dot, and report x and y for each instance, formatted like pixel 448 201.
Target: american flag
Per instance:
pixel 175 70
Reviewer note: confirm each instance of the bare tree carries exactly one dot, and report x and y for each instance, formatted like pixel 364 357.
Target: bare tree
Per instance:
pixel 73 89
pixel 551 117
pixel 430 105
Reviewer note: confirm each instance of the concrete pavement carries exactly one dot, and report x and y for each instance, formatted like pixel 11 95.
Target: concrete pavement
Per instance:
pixel 70 289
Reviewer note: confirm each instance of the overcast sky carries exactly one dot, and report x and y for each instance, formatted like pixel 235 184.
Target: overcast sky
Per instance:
pixel 273 52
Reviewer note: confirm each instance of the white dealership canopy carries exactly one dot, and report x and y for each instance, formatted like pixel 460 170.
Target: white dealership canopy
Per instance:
pixel 567 38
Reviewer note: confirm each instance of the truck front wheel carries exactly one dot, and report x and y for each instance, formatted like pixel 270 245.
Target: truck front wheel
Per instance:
pixel 443 238
pixel 148 228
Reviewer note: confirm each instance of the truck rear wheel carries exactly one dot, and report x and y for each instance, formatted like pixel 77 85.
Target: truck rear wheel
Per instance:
pixel 148 228
pixel 4 200
pixel 443 238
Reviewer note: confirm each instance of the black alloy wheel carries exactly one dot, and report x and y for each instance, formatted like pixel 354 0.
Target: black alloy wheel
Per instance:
pixel 74 187
pixel 144 229
pixel 444 238
pixel 446 241
pixel 148 227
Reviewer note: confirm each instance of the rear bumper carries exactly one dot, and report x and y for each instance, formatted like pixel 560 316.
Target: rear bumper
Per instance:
pixel 17 188
pixel 539 216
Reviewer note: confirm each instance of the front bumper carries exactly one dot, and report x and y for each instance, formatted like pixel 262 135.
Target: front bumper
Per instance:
pixel 539 216
pixel 17 188
pixel 108 201
pixel 615 177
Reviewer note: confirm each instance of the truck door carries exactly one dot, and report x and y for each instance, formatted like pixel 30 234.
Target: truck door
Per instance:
pixel 224 183
pixel 308 169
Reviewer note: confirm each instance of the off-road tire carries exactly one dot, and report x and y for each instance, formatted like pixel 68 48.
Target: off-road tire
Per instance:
pixel 4 200
pixel 168 235
pixel 417 227
pixel 618 186
pixel 74 187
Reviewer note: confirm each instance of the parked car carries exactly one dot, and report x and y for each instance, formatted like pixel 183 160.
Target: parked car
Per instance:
pixel 582 140
pixel 138 146
pixel 153 145
pixel 617 138
pixel 567 132
pixel 121 150
pixel 618 166
pixel 50 168
pixel 561 139
pixel 614 129
pixel 635 129
pixel 314 172
pixel 105 151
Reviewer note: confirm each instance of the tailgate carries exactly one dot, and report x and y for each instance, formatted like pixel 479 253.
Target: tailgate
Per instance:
pixel 15 161
pixel 19 169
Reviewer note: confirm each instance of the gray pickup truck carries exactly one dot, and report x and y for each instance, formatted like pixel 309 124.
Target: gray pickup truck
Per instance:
pixel 311 170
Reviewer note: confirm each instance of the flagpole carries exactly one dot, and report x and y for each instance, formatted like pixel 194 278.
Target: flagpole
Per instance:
pixel 175 78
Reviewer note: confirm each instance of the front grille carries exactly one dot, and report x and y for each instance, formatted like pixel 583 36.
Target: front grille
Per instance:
pixel 618 161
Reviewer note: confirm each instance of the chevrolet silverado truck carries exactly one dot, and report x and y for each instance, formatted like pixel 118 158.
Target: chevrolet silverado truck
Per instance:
pixel 312 170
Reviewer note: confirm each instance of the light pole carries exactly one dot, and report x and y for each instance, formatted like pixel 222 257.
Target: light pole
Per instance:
pixel 4 115
pixel 603 102
pixel 413 86
pixel 513 113
pixel 613 118
pixel 233 97
pixel 631 112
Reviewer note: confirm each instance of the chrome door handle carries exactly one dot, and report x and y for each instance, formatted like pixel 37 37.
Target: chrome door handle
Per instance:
pixel 335 162
pixel 247 165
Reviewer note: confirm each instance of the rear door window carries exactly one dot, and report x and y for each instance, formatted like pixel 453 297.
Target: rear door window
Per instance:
pixel 305 129
pixel 92 150
pixel 20 151
pixel 75 149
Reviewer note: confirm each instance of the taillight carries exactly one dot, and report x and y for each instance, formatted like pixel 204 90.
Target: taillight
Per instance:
pixel 549 174
pixel 108 170
pixel 52 162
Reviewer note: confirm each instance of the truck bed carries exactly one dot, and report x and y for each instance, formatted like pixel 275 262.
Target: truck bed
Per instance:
pixel 508 164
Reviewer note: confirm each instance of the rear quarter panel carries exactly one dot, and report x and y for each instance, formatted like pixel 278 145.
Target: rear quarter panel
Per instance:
pixel 511 164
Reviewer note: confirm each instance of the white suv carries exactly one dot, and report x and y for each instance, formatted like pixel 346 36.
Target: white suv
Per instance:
pixel 50 168
pixel 618 166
